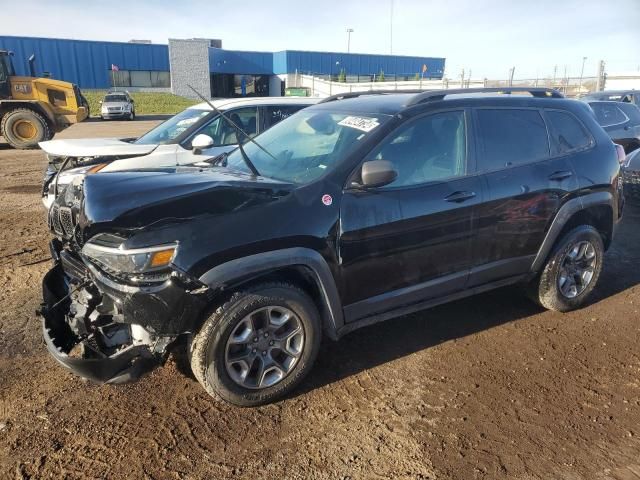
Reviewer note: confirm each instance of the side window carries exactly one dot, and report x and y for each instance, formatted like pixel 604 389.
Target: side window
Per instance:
pixel 223 133
pixel 430 148
pixel 277 113
pixel 607 114
pixel 567 132
pixel 631 111
pixel 511 137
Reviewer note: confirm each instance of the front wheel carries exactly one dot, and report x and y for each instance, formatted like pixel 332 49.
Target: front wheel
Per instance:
pixel 257 346
pixel 23 128
pixel 571 272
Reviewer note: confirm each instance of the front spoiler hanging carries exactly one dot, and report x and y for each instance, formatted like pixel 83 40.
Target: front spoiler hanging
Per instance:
pixel 125 365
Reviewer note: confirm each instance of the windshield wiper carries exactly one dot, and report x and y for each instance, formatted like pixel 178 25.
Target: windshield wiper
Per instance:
pixel 245 157
pixel 220 159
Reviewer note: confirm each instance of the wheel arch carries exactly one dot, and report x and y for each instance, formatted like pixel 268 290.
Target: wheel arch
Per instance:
pixel 304 267
pixel 595 209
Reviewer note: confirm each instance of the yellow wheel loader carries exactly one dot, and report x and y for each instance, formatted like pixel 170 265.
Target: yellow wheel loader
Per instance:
pixel 33 109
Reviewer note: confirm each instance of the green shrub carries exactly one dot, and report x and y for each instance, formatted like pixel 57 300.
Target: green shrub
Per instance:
pixel 147 103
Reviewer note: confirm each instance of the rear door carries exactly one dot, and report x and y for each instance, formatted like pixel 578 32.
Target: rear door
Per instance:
pixel 411 240
pixel 525 184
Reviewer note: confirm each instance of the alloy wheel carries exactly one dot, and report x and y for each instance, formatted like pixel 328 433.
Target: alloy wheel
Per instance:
pixel 264 347
pixel 577 269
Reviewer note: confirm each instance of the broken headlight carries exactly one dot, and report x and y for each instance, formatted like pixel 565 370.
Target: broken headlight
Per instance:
pixel 138 264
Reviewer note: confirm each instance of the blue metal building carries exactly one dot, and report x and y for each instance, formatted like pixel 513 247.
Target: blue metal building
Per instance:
pixel 101 65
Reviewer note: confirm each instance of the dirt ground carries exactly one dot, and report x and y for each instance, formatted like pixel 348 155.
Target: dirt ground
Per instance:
pixel 488 387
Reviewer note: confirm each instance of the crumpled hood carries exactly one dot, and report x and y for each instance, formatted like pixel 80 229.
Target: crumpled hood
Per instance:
pixel 135 199
pixel 94 147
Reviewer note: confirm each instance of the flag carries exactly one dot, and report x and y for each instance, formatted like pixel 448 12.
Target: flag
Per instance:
pixel 114 68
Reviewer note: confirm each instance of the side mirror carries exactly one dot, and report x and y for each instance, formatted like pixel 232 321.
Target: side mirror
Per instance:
pixel 131 100
pixel 377 173
pixel 201 142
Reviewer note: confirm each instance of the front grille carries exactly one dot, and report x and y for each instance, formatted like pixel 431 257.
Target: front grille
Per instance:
pixel 54 219
pixel 114 109
pixel 66 220
pixel 61 221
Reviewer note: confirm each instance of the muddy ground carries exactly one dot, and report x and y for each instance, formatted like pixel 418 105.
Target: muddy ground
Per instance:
pixel 488 387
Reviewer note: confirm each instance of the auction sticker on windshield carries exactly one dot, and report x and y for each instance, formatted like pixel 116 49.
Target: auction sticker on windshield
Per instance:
pixel 365 124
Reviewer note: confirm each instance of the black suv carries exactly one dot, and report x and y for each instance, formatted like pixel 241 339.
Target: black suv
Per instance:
pixel 347 213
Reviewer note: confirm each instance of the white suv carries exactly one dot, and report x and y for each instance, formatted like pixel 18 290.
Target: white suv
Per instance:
pixel 171 143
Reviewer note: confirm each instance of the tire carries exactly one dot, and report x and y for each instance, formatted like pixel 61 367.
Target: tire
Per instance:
pixel 211 355
pixel 23 128
pixel 132 116
pixel 553 287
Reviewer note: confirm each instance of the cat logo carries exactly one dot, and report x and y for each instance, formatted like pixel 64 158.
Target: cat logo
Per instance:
pixel 23 88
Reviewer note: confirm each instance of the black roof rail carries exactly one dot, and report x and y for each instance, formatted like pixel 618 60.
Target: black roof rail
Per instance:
pixel 434 95
pixel 343 96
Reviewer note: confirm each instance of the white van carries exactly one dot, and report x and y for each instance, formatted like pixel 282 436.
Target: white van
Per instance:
pixel 193 135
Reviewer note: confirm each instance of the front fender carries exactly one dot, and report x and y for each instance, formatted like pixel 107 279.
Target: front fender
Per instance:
pixel 252 266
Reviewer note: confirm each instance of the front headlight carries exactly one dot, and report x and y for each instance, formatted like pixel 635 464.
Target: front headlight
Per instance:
pixel 131 262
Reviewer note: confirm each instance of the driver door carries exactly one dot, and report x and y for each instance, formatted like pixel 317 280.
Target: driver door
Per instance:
pixel 411 240
pixel 224 135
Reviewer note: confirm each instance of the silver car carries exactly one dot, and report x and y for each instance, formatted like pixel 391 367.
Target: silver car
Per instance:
pixel 117 105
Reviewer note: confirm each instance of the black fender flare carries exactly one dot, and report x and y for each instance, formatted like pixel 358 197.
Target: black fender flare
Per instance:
pixel 565 212
pixel 242 269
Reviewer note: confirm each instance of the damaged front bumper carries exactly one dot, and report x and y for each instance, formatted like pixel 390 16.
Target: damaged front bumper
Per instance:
pixel 88 355
pixel 107 332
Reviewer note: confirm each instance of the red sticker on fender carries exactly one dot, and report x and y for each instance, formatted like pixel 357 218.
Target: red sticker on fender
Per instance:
pixel 326 199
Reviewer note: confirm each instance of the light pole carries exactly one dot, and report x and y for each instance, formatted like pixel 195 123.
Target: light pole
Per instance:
pixel 584 59
pixel 349 32
pixel 391 30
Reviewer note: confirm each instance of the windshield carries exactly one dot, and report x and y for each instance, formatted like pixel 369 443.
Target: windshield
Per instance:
pixel 306 145
pixel 167 131
pixel 115 98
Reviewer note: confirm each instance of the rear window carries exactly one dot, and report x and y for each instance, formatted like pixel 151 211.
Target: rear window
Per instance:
pixel 608 114
pixel 567 132
pixel 511 137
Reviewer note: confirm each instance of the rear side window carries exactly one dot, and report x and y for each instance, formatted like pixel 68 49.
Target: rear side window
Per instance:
pixel 277 113
pixel 566 132
pixel 631 111
pixel 608 114
pixel 511 137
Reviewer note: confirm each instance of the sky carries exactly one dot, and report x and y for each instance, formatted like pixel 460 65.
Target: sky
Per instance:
pixel 486 37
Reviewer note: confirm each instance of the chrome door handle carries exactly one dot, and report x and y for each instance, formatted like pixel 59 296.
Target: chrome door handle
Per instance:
pixel 459 197
pixel 559 176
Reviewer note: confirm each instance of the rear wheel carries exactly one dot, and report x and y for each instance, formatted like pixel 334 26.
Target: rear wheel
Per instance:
pixel 24 128
pixel 257 346
pixel 571 272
